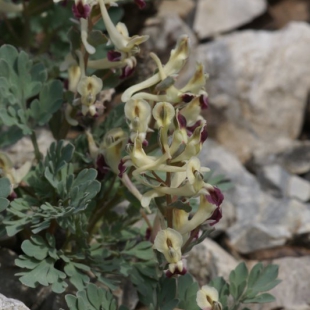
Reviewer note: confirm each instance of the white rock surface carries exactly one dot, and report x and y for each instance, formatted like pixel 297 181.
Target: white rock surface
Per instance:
pixel 293 292
pixel 208 260
pixel 216 16
pixel 11 304
pixel 299 188
pixel 261 221
pixel 259 82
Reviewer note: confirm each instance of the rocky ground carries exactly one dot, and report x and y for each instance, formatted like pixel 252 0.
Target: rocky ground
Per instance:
pixel 257 53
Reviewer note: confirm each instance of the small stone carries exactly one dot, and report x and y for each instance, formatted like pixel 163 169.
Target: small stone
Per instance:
pixel 296 158
pixel 208 260
pixel 299 188
pixel 274 179
pixel 213 17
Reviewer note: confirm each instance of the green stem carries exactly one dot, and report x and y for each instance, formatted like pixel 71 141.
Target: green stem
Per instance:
pixel 34 141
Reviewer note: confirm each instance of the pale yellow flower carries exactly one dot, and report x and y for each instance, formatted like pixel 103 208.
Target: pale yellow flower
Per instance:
pixel 208 298
pixel 169 242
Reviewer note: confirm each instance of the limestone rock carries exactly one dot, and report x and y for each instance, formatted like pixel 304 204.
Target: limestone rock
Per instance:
pixel 293 292
pixel 213 17
pixel 180 7
pixel 261 221
pixel 11 304
pixel 258 86
pixel 277 181
pixel 208 260
pixel 299 188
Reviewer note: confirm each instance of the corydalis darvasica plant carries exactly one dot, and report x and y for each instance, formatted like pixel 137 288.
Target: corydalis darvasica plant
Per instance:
pixel 68 206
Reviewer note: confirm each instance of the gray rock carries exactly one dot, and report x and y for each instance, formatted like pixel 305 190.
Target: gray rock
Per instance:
pixel 258 88
pixel 278 182
pixel 261 221
pixel 213 17
pixel 11 304
pixel 274 179
pixel 208 260
pixel 299 188
pixel 293 292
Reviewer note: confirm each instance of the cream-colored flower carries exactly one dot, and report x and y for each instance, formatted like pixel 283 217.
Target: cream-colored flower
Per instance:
pixel 113 144
pixel 203 213
pixel 88 88
pixel 163 112
pixel 169 242
pixel 14 175
pixel 119 35
pixel 84 36
pixel 175 63
pixel 138 113
pixel 208 298
pixel 74 75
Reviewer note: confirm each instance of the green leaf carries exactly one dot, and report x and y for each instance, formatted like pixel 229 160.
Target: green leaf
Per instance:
pixel 50 100
pixel 91 298
pixel 187 292
pixel 238 280
pixel 263 298
pixel 36 248
pixel 5 187
pixel 143 250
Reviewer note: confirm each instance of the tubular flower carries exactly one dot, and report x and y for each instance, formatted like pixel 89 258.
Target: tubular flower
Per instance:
pixel 163 113
pixel 89 87
pixel 208 298
pixel 113 144
pixel 175 63
pixel 119 35
pixel 138 113
pixel 169 242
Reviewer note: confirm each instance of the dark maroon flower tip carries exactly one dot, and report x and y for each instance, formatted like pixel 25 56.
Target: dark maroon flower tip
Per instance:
pixel 187 98
pixel 191 129
pixel 216 216
pixel 140 3
pixel 80 10
pixel 203 134
pixel 121 168
pixel 169 274
pixel 204 102
pixel 126 72
pixel 148 234
pixel 12 196
pixel 215 196
pixel 101 167
pixel 114 56
pixel 181 120
pixel 145 143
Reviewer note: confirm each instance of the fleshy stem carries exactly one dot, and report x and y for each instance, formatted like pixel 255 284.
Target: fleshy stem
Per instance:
pixel 34 141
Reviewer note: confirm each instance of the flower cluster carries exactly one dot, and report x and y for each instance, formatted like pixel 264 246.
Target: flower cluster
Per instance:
pixel 175 173
pixel 87 88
